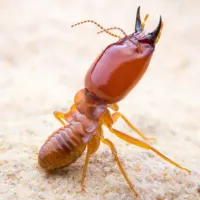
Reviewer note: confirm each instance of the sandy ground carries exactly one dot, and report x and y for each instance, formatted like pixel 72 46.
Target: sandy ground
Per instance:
pixel 42 65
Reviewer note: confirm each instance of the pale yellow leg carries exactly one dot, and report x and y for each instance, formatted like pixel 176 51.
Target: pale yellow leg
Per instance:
pixel 85 168
pixel 92 147
pixel 60 117
pixel 143 145
pixel 113 106
pixel 114 152
pixel 116 115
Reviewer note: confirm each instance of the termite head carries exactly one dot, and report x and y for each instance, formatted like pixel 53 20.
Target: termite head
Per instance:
pixel 122 64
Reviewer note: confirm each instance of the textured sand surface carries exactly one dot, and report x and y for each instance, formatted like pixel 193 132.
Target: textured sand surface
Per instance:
pixel 42 65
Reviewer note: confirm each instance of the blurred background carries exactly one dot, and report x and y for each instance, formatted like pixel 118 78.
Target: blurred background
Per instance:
pixel 43 62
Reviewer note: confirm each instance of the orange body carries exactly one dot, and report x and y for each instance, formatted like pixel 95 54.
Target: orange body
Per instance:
pixel 68 143
pixel 110 78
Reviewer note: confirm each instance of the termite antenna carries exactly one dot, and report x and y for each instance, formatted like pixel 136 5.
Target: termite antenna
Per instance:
pixel 117 28
pixel 114 28
pixel 101 27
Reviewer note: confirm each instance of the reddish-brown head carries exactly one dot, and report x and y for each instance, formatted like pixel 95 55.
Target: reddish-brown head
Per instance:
pixel 122 64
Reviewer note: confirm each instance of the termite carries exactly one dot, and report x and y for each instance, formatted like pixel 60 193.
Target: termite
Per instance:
pixel 110 78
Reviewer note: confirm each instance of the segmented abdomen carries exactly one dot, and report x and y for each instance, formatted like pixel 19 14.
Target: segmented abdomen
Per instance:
pixel 61 149
pixel 67 144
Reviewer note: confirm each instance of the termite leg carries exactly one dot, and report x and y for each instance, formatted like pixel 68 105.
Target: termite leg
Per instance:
pixel 60 117
pixel 85 168
pixel 92 147
pixel 143 145
pixel 114 107
pixel 114 152
pixel 116 115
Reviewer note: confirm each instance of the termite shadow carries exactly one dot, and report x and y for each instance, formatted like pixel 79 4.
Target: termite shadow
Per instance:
pixel 101 166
